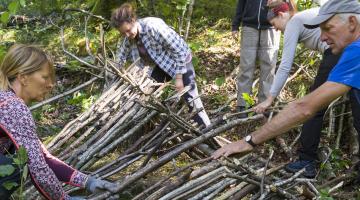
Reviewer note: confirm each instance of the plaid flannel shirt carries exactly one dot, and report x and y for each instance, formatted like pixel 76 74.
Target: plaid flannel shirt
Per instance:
pixel 165 47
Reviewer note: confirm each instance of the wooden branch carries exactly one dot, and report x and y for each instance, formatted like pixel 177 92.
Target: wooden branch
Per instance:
pixel 87 13
pixel 264 172
pixel 145 192
pixel 52 99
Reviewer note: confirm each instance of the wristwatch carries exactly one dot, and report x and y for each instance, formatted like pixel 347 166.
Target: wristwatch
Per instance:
pixel 248 139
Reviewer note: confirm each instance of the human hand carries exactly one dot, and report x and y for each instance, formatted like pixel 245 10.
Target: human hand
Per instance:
pixel 235 34
pixel 260 108
pixel 179 84
pixel 236 147
pixel 95 185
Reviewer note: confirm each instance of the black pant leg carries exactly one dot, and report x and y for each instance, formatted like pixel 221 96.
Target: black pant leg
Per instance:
pixel 355 108
pixel 13 178
pixel 311 130
pixel 159 75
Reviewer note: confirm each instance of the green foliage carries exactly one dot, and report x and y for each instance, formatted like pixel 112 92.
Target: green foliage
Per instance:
pixel 304 4
pixel 214 10
pixel 337 161
pixel 12 8
pixel 3 51
pixel 73 65
pixel 195 46
pixel 324 195
pixel 219 99
pixel 302 90
pixel 6 170
pixel 19 159
pixel 220 81
pixel 9 185
pixel 82 99
pixel 249 100
pixel 39 114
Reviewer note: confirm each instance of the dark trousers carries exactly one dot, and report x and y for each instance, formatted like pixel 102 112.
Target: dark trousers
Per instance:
pixel 355 108
pixel 13 178
pixel 191 97
pixel 311 130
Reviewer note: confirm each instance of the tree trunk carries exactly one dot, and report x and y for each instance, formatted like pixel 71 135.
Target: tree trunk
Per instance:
pixel 188 18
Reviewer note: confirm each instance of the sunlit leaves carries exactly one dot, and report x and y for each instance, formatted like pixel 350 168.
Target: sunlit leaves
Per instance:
pixel 248 99
pixel 5 17
pixel 12 9
pixel 9 185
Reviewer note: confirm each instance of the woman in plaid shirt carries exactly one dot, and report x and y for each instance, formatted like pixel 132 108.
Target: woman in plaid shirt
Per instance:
pixel 161 47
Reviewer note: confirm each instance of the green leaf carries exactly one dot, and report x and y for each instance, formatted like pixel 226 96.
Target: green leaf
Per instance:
pixel 220 81
pixel 248 99
pixel 25 172
pixel 13 7
pixel 195 46
pixel 312 62
pixel 22 3
pixel 6 170
pixel 5 17
pixel 21 156
pixel 9 185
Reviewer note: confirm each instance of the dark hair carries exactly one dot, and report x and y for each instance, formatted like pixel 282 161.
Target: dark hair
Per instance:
pixel 125 13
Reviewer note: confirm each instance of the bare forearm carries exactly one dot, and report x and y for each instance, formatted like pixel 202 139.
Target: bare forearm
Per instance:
pixel 291 116
pixel 299 111
pixel 179 76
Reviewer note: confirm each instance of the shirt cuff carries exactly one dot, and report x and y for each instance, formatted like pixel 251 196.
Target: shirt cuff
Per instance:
pixel 78 179
pixel 180 70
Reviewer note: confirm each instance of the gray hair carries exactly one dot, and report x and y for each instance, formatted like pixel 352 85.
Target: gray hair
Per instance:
pixel 345 16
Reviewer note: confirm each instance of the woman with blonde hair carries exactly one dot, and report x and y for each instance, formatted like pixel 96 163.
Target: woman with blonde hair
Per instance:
pixel 27 75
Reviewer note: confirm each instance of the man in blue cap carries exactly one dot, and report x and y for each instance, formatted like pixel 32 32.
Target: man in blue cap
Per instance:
pixel 339 21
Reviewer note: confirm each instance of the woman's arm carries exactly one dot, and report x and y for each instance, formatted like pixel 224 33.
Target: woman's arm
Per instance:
pixel 123 52
pixel 17 122
pixel 291 37
pixel 64 172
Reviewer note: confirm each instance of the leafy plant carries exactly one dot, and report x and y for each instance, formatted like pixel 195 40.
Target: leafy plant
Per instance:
pixel 82 99
pixel 6 170
pixel 302 91
pixel 12 8
pixel 19 159
pixel 338 161
pixel 249 100
pixel 304 4
pixel 220 81
pixel 324 195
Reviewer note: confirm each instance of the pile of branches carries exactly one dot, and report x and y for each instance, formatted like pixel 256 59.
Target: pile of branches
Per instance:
pixel 145 133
